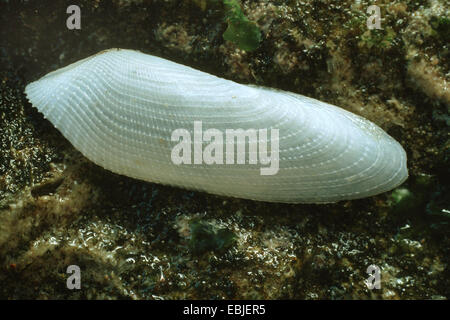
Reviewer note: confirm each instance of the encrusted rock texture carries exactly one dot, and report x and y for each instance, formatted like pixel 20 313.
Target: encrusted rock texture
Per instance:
pixel 138 240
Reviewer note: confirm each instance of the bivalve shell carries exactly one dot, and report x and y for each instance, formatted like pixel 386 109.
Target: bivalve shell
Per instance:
pixel 152 119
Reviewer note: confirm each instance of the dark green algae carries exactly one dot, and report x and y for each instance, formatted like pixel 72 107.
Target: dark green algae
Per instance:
pixel 137 240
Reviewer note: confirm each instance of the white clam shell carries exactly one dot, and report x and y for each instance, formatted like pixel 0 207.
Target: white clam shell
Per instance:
pixel 120 107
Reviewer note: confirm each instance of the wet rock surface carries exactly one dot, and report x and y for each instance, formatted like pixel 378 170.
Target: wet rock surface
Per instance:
pixel 137 240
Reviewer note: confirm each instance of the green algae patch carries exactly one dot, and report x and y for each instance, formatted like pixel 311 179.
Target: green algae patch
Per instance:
pixel 241 31
pixel 402 200
pixel 425 202
pixel 441 27
pixel 208 237
pixel 412 200
pixel 383 39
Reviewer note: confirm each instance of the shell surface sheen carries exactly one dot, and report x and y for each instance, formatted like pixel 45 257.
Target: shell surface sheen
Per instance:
pixel 120 108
